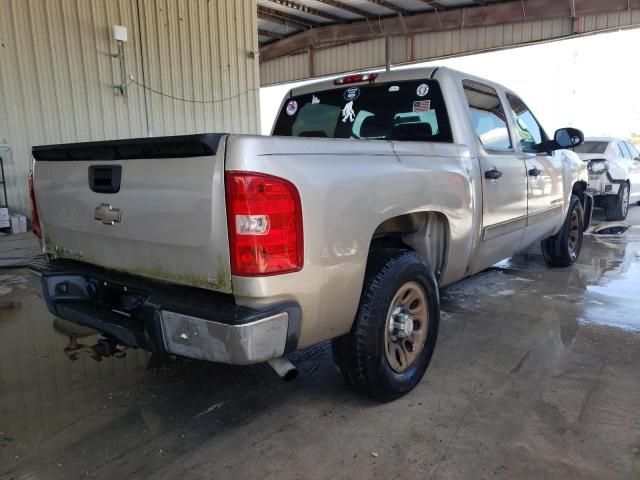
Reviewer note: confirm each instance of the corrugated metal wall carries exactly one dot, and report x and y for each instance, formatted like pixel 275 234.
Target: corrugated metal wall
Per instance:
pixel 56 73
pixel 432 45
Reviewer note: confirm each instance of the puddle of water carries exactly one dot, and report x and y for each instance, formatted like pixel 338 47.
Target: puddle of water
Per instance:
pixel 8 282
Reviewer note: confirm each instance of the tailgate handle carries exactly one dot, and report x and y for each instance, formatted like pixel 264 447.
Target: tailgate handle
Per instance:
pixel 105 178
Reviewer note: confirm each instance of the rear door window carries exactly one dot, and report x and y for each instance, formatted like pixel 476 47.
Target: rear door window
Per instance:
pixel 624 152
pixel 412 110
pixel 633 150
pixel 487 115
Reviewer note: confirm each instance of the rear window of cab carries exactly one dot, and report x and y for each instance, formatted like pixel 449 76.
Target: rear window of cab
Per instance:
pixel 412 110
pixel 591 146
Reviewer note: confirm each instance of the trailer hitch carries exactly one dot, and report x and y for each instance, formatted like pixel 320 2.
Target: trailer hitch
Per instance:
pixel 103 348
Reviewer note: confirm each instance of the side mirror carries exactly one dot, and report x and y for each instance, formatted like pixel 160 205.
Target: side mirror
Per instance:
pixel 568 138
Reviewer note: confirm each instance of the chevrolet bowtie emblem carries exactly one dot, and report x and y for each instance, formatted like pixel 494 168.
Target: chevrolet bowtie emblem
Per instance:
pixel 107 214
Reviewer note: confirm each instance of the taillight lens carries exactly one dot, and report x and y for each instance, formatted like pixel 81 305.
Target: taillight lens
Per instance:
pixel 265 224
pixel 35 219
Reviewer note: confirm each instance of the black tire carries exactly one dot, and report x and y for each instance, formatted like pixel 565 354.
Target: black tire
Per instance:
pixel 361 355
pixel 617 206
pixel 563 249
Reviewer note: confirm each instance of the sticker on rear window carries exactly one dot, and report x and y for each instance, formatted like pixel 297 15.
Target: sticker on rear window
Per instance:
pixel 348 114
pixel 422 90
pixel 394 88
pixel 421 106
pixel 315 100
pixel 292 108
pixel 351 93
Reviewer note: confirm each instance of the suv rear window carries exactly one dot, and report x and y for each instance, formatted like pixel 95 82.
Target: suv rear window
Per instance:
pixel 407 110
pixel 591 147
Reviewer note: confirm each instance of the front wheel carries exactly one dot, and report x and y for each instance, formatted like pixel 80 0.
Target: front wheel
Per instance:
pixel 563 249
pixel 394 334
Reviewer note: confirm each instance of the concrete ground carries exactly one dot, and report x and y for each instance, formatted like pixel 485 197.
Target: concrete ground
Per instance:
pixel 536 375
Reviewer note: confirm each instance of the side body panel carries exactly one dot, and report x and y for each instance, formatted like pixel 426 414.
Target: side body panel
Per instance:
pixel 619 166
pixel 348 188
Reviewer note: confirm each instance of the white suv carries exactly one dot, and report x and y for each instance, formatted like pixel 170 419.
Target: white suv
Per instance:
pixel 614 173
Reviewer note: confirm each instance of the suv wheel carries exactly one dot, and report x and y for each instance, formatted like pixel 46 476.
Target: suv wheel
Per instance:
pixel 394 334
pixel 618 206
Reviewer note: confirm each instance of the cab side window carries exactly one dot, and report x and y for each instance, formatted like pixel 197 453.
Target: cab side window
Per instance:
pixel 529 131
pixel 633 150
pixel 624 152
pixel 487 115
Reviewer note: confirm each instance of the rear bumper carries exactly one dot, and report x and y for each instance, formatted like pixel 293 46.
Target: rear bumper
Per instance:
pixel 165 318
pixel 603 184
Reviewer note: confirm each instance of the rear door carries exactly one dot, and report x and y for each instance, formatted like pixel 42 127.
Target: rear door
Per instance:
pixel 544 173
pixel 634 174
pixel 153 207
pixel 504 182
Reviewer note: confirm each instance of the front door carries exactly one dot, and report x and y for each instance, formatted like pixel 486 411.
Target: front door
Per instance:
pixel 544 174
pixel 504 181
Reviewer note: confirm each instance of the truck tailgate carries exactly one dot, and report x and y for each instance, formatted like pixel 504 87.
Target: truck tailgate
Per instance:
pixel 153 207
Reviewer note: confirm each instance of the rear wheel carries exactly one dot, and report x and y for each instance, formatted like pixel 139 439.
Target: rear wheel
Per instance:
pixel 563 249
pixel 394 334
pixel 618 206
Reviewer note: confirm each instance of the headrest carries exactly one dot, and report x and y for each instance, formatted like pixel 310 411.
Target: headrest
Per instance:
pixel 313 133
pixel 372 127
pixel 412 131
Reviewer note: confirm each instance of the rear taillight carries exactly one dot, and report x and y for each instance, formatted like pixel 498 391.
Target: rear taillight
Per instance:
pixel 265 224
pixel 35 219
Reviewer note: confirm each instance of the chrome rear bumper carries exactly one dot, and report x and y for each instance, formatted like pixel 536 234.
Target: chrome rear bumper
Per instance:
pixel 166 318
pixel 252 342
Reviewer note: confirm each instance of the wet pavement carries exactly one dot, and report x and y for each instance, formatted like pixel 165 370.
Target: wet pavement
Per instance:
pixel 536 375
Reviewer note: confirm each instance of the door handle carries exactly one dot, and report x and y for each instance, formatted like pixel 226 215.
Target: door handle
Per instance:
pixel 493 174
pixel 534 172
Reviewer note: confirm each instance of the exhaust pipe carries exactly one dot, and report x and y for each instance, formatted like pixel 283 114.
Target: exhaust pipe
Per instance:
pixel 284 368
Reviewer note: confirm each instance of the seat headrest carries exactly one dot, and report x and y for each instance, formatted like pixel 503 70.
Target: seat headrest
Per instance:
pixel 372 127
pixel 313 133
pixel 412 131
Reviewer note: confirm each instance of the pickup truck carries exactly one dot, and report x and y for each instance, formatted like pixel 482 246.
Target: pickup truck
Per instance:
pixel 374 191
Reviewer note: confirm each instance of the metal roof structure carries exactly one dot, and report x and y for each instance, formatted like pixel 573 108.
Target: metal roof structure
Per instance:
pixel 309 38
pixel 281 18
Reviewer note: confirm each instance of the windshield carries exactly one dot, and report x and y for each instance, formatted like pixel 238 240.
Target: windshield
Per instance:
pixel 408 110
pixel 591 147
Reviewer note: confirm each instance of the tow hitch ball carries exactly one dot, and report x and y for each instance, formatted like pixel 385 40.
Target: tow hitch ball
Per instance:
pixel 105 347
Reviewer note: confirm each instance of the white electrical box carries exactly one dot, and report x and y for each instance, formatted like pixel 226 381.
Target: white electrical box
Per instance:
pixel 18 223
pixel 120 33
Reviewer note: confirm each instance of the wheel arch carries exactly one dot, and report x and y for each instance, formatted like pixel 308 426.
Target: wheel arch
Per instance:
pixel 426 232
pixel 579 188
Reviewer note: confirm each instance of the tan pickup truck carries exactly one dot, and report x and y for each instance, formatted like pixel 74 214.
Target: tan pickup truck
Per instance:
pixel 373 191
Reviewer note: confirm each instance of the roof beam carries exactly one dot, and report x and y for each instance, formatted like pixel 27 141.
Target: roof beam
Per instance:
pixel 438 5
pixel 309 10
pixel 270 34
pixel 451 19
pixel 348 8
pixel 282 18
pixel 390 6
